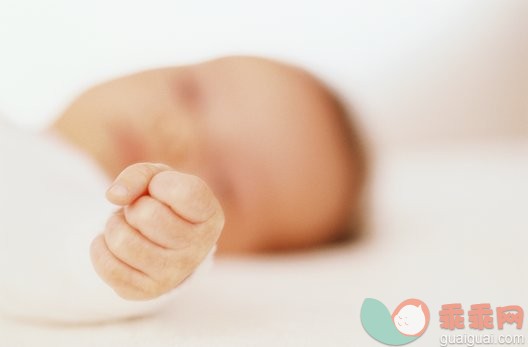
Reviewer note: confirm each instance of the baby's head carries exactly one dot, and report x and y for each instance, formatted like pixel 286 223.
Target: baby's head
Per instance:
pixel 271 140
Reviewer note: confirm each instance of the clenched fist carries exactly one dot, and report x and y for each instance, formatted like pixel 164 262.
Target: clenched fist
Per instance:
pixel 168 223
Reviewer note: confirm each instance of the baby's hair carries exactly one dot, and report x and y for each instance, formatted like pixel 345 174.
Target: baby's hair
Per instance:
pixel 357 159
pixel 351 226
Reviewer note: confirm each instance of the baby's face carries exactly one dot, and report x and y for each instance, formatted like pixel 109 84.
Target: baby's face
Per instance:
pixel 264 137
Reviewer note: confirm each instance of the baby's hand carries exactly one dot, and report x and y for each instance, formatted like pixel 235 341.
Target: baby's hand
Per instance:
pixel 168 224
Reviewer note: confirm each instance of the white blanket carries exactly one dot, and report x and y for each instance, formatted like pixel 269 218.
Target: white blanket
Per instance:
pixel 53 205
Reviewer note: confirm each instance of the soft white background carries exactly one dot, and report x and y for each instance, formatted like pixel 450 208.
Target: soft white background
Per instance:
pixel 415 70
pixel 441 90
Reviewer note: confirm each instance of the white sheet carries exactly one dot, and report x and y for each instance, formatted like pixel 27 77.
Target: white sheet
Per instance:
pixel 53 206
pixel 448 224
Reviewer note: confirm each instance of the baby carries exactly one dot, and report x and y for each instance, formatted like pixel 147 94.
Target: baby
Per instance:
pixel 244 154
pixel 262 143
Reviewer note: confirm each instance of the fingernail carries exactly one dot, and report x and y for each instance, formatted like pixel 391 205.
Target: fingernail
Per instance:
pixel 118 190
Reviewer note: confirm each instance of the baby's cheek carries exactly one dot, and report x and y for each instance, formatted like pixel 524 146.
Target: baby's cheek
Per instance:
pixel 130 148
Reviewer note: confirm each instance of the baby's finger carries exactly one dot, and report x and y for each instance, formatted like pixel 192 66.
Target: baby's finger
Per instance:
pixel 133 182
pixel 132 248
pixel 187 195
pixel 126 281
pixel 158 223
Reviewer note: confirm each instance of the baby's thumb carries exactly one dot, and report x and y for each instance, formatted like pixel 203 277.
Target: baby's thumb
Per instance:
pixel 133 182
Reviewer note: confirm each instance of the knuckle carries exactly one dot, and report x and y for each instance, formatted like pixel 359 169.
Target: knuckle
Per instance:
pixel 197 188
pixel 214 226
pixel 145 171
pixel 200 197
pixel 114 234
